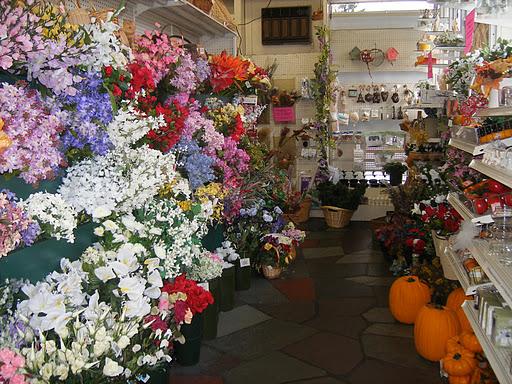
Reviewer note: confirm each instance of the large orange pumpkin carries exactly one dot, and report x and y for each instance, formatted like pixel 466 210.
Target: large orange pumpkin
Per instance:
pixel 471 343
pixel 456 298
pixel 433 327
pixel 406 297
pixel 459 379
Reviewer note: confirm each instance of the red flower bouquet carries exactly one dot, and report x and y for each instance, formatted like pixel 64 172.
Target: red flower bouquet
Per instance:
pixel 196 298
pixel 443 219
pixel 226 70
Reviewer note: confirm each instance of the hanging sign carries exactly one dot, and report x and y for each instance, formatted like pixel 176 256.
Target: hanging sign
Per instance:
pixel 470 30
pixel 430 71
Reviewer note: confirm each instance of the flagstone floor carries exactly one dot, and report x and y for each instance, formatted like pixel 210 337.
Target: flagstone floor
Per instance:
pixel 325 322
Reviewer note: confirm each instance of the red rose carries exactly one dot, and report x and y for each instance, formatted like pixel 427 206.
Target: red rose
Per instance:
pixel 108 70
pixel 117 91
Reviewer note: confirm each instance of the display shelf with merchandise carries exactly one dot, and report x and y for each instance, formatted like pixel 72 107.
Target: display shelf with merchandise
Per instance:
pixel 465 212
pixel 493 112
pixel 475 149
pixel 499 358
pixel 462 5
pixel 499 274
pixel 460 272
pixel 498 174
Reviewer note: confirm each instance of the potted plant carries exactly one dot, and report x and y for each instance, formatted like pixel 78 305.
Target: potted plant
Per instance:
pixel 395 170
pixel 339 202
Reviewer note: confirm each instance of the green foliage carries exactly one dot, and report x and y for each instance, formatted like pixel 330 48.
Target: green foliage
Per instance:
pixel 340 195
pixel 394 166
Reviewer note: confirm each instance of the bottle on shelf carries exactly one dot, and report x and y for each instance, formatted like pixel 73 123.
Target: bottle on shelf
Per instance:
pixel 400 115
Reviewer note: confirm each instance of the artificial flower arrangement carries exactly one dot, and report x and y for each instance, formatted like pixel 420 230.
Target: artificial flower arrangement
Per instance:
pixel 456 171
pixel 441 218
pixel 278 249
pixel 284 98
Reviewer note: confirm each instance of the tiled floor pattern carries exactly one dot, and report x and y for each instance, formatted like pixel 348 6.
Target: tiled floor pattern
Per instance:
pixel 325 322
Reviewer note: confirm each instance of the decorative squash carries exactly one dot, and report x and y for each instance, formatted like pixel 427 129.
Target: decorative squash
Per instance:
pixel 456 298
pixel 459 379
pixel 461 363
pixel 454 344
pixel 471 343
pixel 406 297
pixel 433 327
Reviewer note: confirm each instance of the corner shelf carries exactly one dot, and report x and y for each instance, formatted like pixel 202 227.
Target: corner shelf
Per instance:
pixel 185 16
pixel 465 212
pixel 499 358
pixel 499 174
pixel 475 149
pixel 499 274
pixel 494 112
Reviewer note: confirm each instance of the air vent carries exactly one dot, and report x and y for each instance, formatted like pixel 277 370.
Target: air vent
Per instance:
pixel 290 25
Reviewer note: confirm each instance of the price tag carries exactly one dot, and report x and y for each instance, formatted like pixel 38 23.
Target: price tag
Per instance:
pixel 205 286
pixel 248 84
pixel 245 262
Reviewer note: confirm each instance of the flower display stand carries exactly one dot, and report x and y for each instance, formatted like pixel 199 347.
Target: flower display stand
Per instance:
pixel 36 262
pixel 227 289
pixel 211 313
pixel 242 275
pixel 440 245
pixel 188 354
pixel 24 190
pixel 214 237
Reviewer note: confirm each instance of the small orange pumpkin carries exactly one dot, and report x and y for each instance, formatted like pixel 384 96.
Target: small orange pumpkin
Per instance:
pixel 460 363
pixel 459 379
pixel 433 327
pixel 454 344
pixel 407 296
pixel 471 343
pixel 456 298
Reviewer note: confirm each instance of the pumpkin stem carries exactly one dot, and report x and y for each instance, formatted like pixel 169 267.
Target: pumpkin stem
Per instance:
pixel 411 279
pixel 457 356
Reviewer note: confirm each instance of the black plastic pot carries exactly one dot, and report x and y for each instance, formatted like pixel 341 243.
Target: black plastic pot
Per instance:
pixel 395 178
pixel 159 376
pixel 211 313
pixel 227 289
pixel 189 353
pixel 242 276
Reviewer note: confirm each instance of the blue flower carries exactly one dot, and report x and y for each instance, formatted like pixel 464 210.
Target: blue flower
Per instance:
pixel 267 218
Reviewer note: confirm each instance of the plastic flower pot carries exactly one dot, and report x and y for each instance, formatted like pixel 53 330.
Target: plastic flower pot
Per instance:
pixel 214 237
pixel 189 353
pixel 395 178
pixel 211 313
pixel 227 289
pixel 40 259
pixel 243 274
pixel 24 190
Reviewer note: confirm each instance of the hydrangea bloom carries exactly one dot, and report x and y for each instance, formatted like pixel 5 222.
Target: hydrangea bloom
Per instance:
pixel 197 165
pixel 34 135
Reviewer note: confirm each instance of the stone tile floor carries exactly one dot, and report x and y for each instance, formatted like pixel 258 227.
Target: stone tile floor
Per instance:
pixel 325 321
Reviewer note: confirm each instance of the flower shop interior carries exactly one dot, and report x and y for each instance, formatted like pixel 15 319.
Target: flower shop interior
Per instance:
pixel 255 191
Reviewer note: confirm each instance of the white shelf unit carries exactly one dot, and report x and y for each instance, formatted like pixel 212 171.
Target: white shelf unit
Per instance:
pixel 499 358
pixel 465 6
pixel 475 149
pixel 494 112
pixel 499 174
pixel 465 212
pixel 460 272
pixel 499 274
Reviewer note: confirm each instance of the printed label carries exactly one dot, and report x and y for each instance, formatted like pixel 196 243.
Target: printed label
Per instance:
pixel 205 286
pixel 245 262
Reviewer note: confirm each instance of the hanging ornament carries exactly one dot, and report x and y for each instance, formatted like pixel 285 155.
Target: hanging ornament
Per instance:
pixel 367 57
pixel 384 94
pixel 392 55
pixel 394 97
pixel 376 95
pixel 360 98
pixel 369 96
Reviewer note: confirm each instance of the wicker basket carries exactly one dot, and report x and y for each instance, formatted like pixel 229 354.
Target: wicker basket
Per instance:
pixel 271 272
pixel 78 15
pixel 302 215
pixel 203 5
pixel 337 217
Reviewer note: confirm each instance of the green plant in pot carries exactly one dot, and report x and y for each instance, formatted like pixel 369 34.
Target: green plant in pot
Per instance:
pixel 339 202
pixel 395 170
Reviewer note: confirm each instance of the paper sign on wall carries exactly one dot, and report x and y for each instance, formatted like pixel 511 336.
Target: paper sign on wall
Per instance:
pixel 470 30
pixel 430 71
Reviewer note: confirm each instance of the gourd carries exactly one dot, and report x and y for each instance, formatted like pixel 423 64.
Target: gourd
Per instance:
pixel 471 343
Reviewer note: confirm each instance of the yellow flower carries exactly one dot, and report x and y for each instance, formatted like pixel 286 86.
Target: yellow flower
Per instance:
pixel 185 205
pixel 5 141
pixel 267 247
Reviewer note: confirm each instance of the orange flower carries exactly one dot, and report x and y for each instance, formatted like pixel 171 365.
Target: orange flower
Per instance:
pixel 226 69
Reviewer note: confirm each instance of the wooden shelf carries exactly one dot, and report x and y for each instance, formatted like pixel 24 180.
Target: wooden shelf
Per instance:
pixel 185 16
pixel 465 212
pixel 499 274
pixel 494 112
pixel 499 174
pixel 499 358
